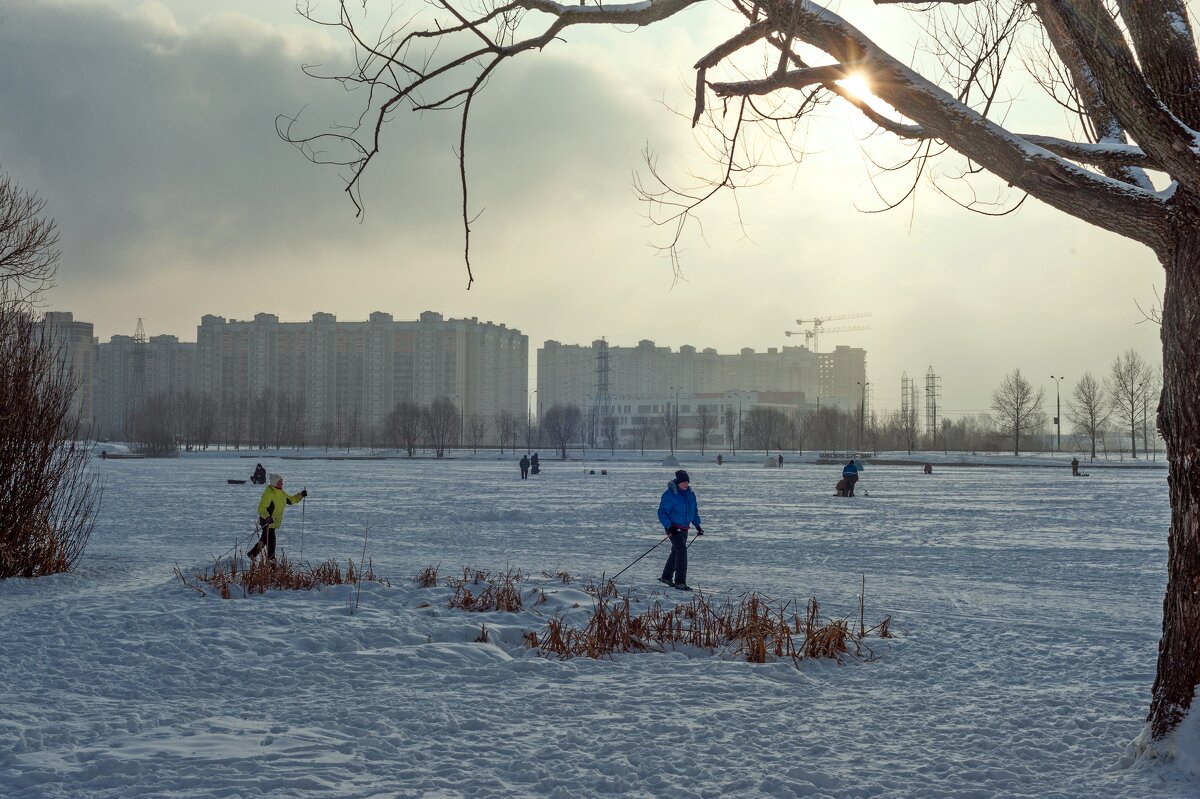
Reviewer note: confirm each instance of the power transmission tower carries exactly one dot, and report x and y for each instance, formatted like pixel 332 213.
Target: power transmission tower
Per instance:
pixel 136 395
pixel 933 392
pixel 602 397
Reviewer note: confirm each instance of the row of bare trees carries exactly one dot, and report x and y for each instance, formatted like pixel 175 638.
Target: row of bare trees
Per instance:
pixel 1122 403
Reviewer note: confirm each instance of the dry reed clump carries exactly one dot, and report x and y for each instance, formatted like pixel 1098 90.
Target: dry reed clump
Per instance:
pixel 499 592
pixel 428 577
pixel 753 627
pixel 565 576
pixel 231 577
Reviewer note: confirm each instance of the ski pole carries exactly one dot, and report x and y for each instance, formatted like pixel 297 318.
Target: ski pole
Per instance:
pixel 644 554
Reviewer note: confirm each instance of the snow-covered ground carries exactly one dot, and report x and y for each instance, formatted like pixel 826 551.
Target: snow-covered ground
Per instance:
pixel 1031 605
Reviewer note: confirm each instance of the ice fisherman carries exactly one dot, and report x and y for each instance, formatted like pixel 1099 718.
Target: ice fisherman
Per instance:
pixel 1074 467
pixel 850 475
pixel 524 467
pixel 270 514
pixel 260 475
pixel 677 511
pixel 535 467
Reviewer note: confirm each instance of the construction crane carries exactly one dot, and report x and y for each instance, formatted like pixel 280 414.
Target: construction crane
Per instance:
pixel 818 325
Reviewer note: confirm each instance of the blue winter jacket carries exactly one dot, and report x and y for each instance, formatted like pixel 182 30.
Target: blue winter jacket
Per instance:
pixel 849 470
pixel 678 507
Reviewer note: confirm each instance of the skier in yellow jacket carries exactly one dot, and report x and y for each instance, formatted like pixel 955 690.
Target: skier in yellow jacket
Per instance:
pixel 270 514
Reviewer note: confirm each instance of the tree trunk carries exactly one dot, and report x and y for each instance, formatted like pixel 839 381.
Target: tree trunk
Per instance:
pixel 1179 421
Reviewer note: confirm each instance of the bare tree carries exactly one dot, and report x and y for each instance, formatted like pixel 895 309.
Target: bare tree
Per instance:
pixel 530 432
pixel 477 428
pixel 441 424
pixel 707 419
pixel 153 428
pixel 28 244
pixel 403 426
pixel 1129 71
pixel 802 429
pixel 670 425
pixel 51 497
pixel 562 423
pixel 1128 381
pixel 1018 408
pixel 643 426
pixel 764 427
pixel 906 423
pixel 1089 409
pixel 507 425
pixel 611 432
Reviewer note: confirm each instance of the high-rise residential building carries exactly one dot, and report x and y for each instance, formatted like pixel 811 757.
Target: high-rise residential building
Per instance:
pixel 127 371
pixel 349 375
pixel 74 342
pixel 646 379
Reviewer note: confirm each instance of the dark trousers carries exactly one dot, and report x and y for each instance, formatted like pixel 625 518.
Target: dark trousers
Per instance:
pixel 524 473
pixel 677 560
pixel 851 479
pixel 268 541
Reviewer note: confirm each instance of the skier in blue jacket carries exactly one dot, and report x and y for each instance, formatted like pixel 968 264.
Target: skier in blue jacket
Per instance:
pixel 677 511
pixel 850 475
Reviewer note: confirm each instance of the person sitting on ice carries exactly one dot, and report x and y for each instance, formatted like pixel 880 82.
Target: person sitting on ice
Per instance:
pixel 842 489
pixel 928 468
pixel 676 511
pixel 260 475
pixel 270 514
pixel 850 475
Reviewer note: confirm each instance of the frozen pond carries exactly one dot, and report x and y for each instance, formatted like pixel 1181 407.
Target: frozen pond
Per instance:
pixel 1031 600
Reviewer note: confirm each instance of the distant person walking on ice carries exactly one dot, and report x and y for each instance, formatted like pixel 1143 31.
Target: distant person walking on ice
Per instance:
pixel 535 468
pixel 1074 467
pixel 720 460
pixel 524 467
pixel 850 475
pixel 677 510
pixel 270 514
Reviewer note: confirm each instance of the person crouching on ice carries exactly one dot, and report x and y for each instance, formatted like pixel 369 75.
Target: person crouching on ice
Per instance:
pixel 270 514
pixel 677 510
pixel 850 475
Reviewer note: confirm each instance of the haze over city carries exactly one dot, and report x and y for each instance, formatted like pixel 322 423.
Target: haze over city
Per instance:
pixel 149 129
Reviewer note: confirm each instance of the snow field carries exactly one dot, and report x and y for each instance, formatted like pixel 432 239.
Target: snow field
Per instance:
pixel 1031 602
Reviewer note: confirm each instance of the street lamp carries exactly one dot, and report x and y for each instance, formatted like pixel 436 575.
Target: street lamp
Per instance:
pixel 674 431
pixel 862 412
pixel 1057 410
pixel 529 423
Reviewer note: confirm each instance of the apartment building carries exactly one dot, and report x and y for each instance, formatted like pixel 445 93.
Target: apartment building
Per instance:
pixel 351 374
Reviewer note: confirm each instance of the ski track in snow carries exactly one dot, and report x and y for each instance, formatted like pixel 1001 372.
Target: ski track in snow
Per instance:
pixel 1029 606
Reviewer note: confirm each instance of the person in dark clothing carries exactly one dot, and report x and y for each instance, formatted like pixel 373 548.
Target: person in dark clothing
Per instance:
pixel 677 511
pixel 780 459
pixel 524 467
pixel 1074 467
pixel 260 475
pixel 850 475
pixel 720 460
pixel 535 468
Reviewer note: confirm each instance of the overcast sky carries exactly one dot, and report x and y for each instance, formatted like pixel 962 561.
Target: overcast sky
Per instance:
pixel 149 129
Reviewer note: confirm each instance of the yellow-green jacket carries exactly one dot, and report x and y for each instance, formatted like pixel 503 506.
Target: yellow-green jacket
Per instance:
pixel 273 501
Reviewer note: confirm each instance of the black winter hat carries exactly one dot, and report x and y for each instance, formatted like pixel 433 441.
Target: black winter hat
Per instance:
pixel 681 477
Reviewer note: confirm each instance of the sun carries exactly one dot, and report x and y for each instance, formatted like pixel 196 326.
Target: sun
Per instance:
pixel 857 85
